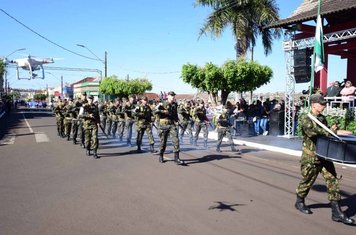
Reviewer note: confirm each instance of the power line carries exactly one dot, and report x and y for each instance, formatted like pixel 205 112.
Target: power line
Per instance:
pixel 38 34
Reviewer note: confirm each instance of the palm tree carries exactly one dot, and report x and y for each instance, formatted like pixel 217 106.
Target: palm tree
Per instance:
pixel 248 20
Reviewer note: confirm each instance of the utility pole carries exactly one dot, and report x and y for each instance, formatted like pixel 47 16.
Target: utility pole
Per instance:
pixel 62 87
pixel 106 64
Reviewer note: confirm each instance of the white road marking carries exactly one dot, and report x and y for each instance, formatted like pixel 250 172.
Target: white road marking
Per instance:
pixel 39 136
pixel 28 124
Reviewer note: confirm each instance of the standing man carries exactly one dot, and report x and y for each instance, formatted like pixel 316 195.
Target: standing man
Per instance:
pixel 81 120
pixel 168 121
pixel 121 119
pixel 312 165
pixel 224 129
pixel 91 120
pixel 128 110
pixel 144 123
pixel 59 112
pixel 201 123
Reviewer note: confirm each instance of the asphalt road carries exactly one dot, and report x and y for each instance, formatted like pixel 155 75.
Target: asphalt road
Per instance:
pixel 49 186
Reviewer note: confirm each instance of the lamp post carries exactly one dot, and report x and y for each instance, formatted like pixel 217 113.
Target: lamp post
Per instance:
pixel 105 61
pixel 5 74
pixel 21 49
pixel 61 83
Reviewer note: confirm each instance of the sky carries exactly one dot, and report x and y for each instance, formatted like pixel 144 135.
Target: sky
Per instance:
pixel 143 39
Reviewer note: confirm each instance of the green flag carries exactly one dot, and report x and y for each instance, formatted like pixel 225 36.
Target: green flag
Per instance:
pixel 319 44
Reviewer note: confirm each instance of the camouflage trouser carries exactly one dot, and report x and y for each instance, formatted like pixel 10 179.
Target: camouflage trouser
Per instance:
pixel 67 126
pixel 121 128
pixel 201 126
pixel 140 132
pixel 186 125
pixel 114 128
pixel 129 123
pixel 224 131
pixel 109 122
pixel 91 135
pixel 103 119
pixel 75 126
pixel 60 127
pixel 311 166
pixel 164 131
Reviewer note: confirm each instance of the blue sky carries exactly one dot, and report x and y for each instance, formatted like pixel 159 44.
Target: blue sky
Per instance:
pixel 143 39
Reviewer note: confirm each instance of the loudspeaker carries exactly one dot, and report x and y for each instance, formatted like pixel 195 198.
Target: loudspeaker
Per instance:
pixel 302 63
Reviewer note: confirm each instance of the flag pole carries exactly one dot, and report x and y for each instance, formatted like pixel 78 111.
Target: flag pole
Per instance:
pixel 318 51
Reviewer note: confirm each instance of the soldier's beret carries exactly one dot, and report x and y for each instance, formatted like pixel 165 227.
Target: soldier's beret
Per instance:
pixel 84 93
pixel 171 93
pixel 91 97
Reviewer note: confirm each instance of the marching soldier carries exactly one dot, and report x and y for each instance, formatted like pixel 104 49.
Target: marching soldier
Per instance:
pixel 59 112
pixel 201 123
pixel 114 117
pixel 144 123
pixel 168 119
pixel 121 119
pixel 312 165
pixel 91 120
pixel 84 101
pixel 68 117
pixel 76 120
pixel 185 110
pixel 103 114
pixel 129 118
pixel 224 129
pixel 110 110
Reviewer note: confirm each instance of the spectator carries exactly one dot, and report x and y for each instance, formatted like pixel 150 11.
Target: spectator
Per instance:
pixel 348 90
pixel 333 90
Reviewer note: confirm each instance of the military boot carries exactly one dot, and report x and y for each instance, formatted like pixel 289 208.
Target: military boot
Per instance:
pixel 300 205
pixel 218 149
pixel 68 137
pixel 177 159
pixel 95 154
pixel 337 215
pixel 139 148
pixel 88 152
pixel 160 159
pixel 206 144
pixel 152 148
pixel 74 141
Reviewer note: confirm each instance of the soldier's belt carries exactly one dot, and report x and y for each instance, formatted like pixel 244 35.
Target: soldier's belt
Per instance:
pixel 308 151
pixel 165 122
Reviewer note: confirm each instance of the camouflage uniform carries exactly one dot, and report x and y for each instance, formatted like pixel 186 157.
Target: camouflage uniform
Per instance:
pixel 311 165
pixel 68 117
pixel 76 120
pixel 103 114
pixel 187 121
pixel 168 117
pixel 144 123
pixel 121 120
pixel 129 121
pixel 59 112
pixel 91 119
pixel 224 129
pixel 110 111
pixel 200 118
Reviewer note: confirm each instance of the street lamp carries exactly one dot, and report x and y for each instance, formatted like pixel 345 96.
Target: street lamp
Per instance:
pixel 61 83
pixel 105 61
pixel 21 49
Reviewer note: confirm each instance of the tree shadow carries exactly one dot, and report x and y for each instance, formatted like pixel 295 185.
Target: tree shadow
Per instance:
pixel 224 206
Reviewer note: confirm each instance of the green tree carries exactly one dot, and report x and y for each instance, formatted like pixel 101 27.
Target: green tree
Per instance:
pixel 40 96
pixel 233 76
pixel 248 20
pixel 124 87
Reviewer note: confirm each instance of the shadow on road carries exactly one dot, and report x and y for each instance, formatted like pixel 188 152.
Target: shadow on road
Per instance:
pixel 208 158
pixel 224 206
pixel 349 200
